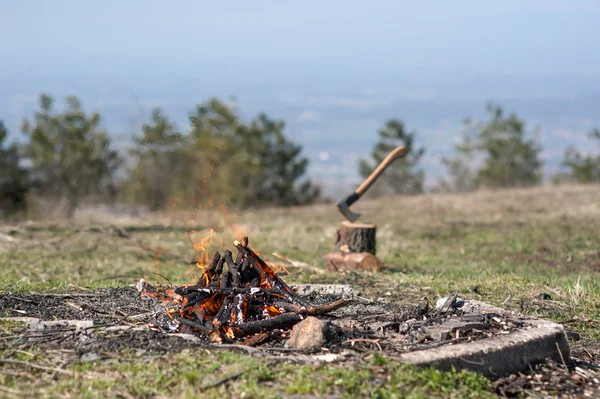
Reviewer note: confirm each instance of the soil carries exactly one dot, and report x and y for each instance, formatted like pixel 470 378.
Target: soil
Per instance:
pixel 99 305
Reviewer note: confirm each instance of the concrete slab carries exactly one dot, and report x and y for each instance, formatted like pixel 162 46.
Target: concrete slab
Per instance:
pixel 499 355
pixel 324 290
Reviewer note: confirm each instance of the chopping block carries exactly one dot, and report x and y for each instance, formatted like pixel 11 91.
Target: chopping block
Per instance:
pixel 354 248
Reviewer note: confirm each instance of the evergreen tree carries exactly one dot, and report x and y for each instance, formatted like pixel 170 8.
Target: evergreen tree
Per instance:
pixel 69 152
pixel 221 160
pixel 283 167
pixel 403 176
pixel 14 180
pixel 508 157
pixel 581 167
pixel 162 163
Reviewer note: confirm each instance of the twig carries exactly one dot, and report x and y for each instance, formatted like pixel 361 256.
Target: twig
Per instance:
pixel 561 356
pixel 166 279
pixel 224 380
pixel 371 341
pixel 328 307
pixel 10 390
pixel 35 366
pixel 64 295
pixel 9 239
pixel 61 367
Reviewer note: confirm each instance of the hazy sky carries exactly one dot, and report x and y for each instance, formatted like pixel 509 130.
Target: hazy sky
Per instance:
pixel 543 37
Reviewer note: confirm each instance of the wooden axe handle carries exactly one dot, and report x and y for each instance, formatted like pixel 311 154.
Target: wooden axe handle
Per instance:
pixel 397 153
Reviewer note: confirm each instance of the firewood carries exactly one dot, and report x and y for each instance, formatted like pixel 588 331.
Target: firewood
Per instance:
pixel 285 320
pixel 243 243
pixel 213 264
pixel 223 314
pixel 247 298
pixel 209 272
pixel 328 307
pixel 233 270
pixel 219 268
pixel 193 324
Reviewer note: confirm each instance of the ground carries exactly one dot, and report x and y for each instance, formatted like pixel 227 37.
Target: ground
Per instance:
pixel 536 251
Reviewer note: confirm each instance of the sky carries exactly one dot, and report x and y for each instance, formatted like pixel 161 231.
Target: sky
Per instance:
pixel 340 67
pixel 473 37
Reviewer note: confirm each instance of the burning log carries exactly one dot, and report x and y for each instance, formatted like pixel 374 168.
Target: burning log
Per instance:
pixel 247 298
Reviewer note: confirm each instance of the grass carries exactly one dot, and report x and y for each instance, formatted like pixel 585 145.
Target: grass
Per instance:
pixel 505 248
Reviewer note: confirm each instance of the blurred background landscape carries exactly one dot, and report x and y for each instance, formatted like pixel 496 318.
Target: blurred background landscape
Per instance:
pixel 143 105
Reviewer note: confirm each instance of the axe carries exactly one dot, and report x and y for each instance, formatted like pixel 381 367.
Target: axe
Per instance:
pixel 344 205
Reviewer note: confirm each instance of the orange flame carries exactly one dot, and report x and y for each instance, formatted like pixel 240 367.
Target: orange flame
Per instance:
pixel 271 310
pixel 238 231
pixel 278 268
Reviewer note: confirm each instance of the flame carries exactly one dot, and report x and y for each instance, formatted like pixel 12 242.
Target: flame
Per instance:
pixel 271 311
pixel 278 268
pixel 238 231
pixel 212 305
pixel 201 249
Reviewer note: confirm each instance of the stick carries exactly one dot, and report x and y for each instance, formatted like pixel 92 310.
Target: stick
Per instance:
pixel 35 366
pixel 223 380
pixel 233 270
pixel 244 243
pixel 328 307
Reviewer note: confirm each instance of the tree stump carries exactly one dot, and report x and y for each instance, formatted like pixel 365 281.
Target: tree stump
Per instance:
pixel 354 248
pixel 356 237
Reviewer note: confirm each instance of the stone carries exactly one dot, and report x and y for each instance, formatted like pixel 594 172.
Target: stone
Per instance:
pixel 309 335
pixel 499 355
pixel 89 357
pixel 325 290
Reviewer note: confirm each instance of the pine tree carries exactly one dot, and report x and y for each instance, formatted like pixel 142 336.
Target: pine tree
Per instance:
pixel 283 167
pixel 162 164
pixel 69 152
pixel 14 180
pixel 507 156
pixel 403 176
pixel 581 167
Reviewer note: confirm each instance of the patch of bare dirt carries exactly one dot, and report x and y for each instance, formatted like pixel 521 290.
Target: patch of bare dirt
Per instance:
pixel 99 305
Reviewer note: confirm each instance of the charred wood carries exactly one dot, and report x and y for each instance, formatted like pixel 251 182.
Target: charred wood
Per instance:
pixel 285 320
pixel 193 324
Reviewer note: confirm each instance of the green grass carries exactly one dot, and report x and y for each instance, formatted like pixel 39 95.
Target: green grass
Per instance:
pixel 504 248
pixel 196 374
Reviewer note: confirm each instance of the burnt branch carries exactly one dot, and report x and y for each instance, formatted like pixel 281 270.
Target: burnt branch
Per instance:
pixel 285 320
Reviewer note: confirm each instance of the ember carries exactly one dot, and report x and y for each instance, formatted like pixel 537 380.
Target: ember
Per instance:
pixel 246 298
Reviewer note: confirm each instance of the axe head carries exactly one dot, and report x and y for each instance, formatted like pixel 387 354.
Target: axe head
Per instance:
pixel 344 207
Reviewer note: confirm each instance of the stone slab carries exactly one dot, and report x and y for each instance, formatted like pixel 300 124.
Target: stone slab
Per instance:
pixel 324 290
pixel 500 355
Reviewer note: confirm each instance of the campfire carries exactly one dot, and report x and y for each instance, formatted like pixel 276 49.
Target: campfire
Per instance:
pixel 234 299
